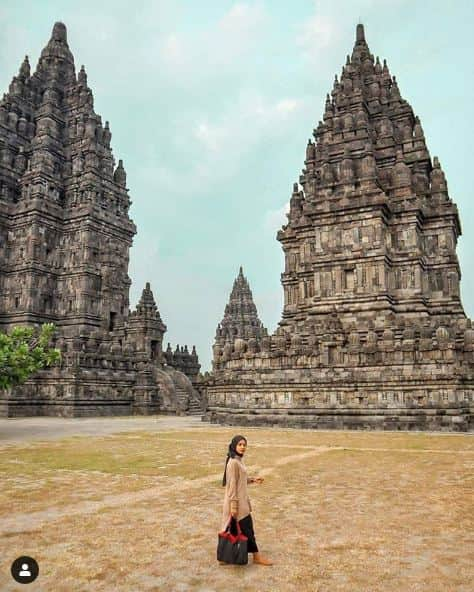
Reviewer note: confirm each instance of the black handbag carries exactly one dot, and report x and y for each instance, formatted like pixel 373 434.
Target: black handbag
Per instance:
pixel 232 548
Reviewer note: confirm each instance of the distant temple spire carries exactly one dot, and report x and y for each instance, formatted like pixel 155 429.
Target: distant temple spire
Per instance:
pixel 147 305
pixel 240 316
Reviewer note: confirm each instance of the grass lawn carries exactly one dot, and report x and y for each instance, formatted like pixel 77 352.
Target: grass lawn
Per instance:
pixel 337 511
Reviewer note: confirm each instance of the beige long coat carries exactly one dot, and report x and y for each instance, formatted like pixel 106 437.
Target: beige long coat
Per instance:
pixel 235 495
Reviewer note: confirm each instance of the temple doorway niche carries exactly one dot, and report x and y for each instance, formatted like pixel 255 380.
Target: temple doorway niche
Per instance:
pixel 112 319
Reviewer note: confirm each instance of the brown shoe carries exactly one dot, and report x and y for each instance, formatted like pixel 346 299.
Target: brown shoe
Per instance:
pixel 257 558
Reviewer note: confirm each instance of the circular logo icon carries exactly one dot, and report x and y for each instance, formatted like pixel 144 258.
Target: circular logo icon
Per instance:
pixel 24 570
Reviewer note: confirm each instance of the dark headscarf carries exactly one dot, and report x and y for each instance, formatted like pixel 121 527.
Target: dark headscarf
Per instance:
pixel 232 453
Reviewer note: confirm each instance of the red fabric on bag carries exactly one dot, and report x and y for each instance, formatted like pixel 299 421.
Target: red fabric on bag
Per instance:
pixel 232 538
pixel 226 534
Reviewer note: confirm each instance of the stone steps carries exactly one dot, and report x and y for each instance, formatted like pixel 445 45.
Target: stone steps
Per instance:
pixel 191 404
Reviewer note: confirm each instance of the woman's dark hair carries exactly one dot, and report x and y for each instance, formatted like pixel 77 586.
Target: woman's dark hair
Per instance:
pixel 232 453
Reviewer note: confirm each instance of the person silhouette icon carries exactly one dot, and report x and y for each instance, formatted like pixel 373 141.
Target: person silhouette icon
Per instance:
pixel 25 572
pixel 24 569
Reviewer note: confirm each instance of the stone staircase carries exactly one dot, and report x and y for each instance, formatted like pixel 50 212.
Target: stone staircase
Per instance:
pixel 182 397
pixel 194 407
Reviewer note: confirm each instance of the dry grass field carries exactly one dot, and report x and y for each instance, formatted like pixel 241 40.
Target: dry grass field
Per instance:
pixel 338 511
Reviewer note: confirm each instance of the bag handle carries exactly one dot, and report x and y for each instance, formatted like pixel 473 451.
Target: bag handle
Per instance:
pixel 239 532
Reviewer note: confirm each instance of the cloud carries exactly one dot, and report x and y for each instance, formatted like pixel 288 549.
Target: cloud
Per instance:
pixel 288 105
pixel 173 49
pixel 324 34
pixel 246 121
pixel 209 52
pixel 224 140
pixel 242 18
pixel 319 32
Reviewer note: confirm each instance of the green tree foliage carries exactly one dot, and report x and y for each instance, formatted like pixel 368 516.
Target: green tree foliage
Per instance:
pixel 24 351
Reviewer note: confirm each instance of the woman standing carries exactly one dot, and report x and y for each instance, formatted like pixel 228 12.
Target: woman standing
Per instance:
pixel 236 499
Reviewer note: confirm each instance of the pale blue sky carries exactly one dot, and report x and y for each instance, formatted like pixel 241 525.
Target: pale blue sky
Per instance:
pixel 211 104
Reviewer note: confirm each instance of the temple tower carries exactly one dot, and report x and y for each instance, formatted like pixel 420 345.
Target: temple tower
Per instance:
pixel 63 201
pixel 372 232
pixel 240 329
pixel 240 315
pixel 145 329
pixel 65 236
pixel 373 332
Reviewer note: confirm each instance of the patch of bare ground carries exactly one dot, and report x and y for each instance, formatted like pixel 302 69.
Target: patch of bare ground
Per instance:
pixel 338 511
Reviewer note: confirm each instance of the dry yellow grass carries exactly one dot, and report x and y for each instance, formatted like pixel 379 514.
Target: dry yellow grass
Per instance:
pixel 338 511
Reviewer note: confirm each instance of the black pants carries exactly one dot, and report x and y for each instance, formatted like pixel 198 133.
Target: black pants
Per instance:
pixel 246 526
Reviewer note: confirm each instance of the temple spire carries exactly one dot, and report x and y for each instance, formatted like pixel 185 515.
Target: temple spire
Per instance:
pixel 57 45
pixel 25 69
pixel 360 34
pixel 56 58
pixel 82 76
pixel 361 49
pixel 120 176
pixel 147 305
pixel 59 32
pixel 240 317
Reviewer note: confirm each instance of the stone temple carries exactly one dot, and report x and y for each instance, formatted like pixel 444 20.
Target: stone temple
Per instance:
pixel 373 333
pixel 65 236
pixel 240 318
